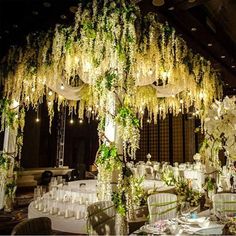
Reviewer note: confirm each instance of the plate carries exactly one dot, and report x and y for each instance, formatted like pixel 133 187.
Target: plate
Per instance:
pixel 216 231
pixel 198 220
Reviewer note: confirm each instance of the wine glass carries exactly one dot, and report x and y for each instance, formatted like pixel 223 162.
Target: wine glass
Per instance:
pixel 185 209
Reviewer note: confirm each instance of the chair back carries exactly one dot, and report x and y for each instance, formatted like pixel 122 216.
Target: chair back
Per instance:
pixel 74 175
pixel 101 218
pixel 46 177
pixel 224 203
pixel 162 206
pixel 35 226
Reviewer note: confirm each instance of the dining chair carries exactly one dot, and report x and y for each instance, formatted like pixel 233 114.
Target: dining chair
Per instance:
pixel 224 203
pixel 162 206
pixel 46 177
pixel 101 218
pixel 34 226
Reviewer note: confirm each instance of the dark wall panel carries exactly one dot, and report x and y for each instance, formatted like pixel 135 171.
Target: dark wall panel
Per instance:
pixel 164 139
pixel 178 139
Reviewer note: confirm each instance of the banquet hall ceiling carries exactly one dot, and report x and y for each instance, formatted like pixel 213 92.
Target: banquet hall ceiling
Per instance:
pixel 208 26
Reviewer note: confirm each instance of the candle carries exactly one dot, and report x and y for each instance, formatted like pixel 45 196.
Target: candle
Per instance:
pixel 77 215
pixel 66 213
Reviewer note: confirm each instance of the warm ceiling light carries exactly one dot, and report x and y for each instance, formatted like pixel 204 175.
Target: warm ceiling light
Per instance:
pixel 209 44
pixel 158 3
pixel 193 29
pixel 47 4
pixel 62 87
pixel 171 8
pixel 223 56
pixel 233 66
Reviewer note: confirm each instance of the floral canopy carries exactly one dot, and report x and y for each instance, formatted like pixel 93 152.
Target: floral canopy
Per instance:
pixel 110 46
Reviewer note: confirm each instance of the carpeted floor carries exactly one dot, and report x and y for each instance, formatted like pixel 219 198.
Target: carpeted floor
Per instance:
pixel 9 220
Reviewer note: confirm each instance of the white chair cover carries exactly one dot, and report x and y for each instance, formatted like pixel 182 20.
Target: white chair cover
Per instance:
pixel 224 203
pixel 162 206
pixel 101 218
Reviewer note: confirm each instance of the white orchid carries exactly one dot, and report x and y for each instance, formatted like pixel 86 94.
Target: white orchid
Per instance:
pixel 220 129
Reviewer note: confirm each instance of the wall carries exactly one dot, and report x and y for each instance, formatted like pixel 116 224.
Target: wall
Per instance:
pixel 173 139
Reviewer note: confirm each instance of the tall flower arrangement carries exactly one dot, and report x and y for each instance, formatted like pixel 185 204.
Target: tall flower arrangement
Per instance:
pixel 220 131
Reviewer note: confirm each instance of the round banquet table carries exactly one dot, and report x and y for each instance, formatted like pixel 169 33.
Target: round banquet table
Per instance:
pixel 158 185
pixel 60 223
pixel 69 225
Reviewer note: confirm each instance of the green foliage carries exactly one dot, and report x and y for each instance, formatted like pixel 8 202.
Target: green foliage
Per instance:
pixel 8 114
pixel 107 155
pixel 209 184
pixel 168 176
pixel 110 78
pixel 3 161
pixel 119 202
pixel 125 113
pixel 107 82
pixel 10 188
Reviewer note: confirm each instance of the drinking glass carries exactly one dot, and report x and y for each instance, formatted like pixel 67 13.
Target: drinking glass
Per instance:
pixel 185 209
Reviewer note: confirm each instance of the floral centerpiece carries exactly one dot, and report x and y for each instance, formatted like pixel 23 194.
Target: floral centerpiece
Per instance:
pixel 230 227
pixel 186 193
pixel 168 176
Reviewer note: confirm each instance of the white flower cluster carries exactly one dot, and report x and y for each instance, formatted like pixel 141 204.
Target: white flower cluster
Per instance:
pixel 220 129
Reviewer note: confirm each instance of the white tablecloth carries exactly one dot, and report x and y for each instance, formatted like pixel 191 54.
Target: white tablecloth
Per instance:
pixel 86 190
pixel 160 186
pixel 60 223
